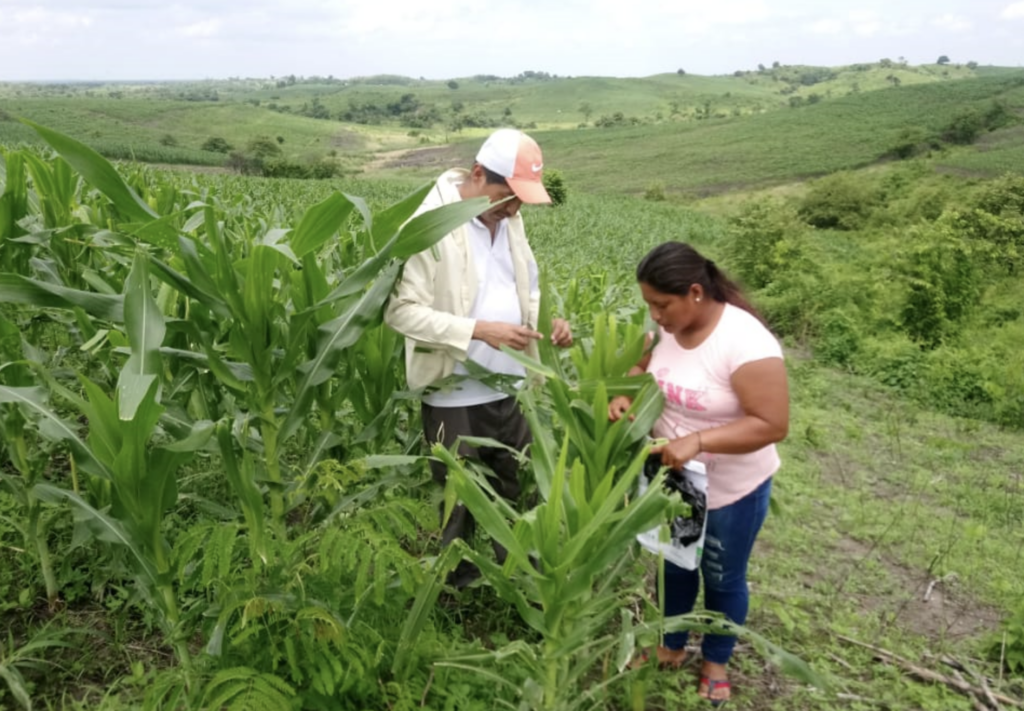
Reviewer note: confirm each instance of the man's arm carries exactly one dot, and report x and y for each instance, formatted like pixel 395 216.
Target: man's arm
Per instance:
pixel 410 310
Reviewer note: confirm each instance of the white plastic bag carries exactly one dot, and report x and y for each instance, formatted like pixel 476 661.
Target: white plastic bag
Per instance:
pixel 681 541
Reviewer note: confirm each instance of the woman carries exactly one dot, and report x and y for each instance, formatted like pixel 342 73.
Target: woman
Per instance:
pixel 727 404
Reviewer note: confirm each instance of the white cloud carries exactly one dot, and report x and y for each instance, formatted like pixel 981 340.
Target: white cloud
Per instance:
pixel 1013 12
pixel 202 29
pixel 954 23
pixel 825 27
pixel 41 17
pixel 867 29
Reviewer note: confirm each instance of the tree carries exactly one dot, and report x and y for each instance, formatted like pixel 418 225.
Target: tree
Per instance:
pixel 587 109
pixel 216 144
pixel 680 72
pixel 263 147
pixel 942 60
pixel 453 85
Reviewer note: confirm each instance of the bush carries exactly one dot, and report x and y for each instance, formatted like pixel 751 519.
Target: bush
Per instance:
pixel 168 140
pixel 655 191
pixel 839 338
pixel 910 141
pixel 263 147
pixel 554 183
pixel 965 127
pixel 216 144
pixel 894 360
pixel 943 283
pixel 763 242
pixel 840 201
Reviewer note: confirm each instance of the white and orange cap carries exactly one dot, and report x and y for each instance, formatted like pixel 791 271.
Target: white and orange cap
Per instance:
pixel 517 158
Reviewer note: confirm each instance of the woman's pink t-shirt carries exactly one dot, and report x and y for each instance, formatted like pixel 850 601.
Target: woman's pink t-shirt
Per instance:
pixel 699 395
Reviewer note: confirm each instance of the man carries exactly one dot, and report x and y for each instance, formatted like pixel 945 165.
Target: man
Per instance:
pixel 476 291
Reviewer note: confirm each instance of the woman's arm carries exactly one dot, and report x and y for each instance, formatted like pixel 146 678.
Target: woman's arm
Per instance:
pixel 763 391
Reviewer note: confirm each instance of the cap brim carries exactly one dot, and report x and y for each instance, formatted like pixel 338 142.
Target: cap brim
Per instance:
pixel 531 192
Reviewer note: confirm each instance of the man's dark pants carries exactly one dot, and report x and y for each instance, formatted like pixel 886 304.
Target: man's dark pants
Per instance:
pixel 501 420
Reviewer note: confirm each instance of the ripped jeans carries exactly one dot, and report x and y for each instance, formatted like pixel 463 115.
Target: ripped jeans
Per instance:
pixel 731 531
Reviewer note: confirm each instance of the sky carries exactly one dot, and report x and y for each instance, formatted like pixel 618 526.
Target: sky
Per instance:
pixel 442 39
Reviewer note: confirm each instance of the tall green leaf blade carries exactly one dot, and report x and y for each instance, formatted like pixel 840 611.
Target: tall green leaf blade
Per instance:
pixel 338 334
pixel 98 172
pixel 319 223
pixel 33 399
pixel 145 329
pixel 17 289
pixel 425 230
pixel 105 528
pixel 14 201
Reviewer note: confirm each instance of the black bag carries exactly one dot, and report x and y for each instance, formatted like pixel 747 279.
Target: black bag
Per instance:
pixel 685 529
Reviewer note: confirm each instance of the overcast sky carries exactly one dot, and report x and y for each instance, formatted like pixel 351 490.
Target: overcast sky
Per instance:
pixel 188 39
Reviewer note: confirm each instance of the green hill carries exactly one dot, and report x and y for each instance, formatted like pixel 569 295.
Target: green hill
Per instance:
pixel 718 155
pixel 693 134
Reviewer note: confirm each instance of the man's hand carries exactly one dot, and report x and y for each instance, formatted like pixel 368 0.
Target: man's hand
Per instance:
pixel 561 334
pixel 497 334
pixel 618 407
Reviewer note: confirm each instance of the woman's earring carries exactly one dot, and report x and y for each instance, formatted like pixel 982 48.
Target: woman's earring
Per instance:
pixel 697 299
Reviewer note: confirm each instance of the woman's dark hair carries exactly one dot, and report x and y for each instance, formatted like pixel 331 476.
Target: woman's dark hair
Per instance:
pixel 673 267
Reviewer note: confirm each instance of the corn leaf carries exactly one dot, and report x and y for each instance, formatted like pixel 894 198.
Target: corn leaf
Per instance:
pixel 145 328
pixel 98 172
pixel 319 223
pixel 104 527
pixel 17 289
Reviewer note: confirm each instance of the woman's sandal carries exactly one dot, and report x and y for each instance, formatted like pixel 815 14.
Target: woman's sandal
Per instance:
pixel 708 686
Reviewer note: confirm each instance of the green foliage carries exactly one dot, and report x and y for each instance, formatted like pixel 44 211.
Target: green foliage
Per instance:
pixel 840 201
pixel 655 192
pixel 1008 647
pixel 839 338
pixel 263 147
pixel 554 183
pixel 943 283
pixel 965 127
pixel 909 142
pixel 245 689
pixel 764 241
pixel 216 144
pixel 17 659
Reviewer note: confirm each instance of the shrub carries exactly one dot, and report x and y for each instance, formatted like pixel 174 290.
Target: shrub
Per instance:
pixel 964 127
pixel 910 141
pixel 216 144
pixel 554 183
pixel 655 191
pixel 943 283
pixel 763 241
pixel 263 147
pixel 168 140
pixel 893 360
pixel 840 201
pixel 839 338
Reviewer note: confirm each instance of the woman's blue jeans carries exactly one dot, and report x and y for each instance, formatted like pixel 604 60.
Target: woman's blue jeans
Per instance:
pixel 731 531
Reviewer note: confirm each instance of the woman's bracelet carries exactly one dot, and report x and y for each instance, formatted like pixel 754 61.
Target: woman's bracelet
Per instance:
pixel 700 443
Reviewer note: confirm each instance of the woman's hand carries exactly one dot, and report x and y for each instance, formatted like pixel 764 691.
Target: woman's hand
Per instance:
pixel 679 451
pixel 618 407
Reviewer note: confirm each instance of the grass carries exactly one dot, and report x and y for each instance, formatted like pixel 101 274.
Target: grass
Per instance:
pixel 878 503
pixel 751 138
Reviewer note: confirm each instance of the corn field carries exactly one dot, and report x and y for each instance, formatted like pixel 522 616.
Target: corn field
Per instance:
pixel 207 444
